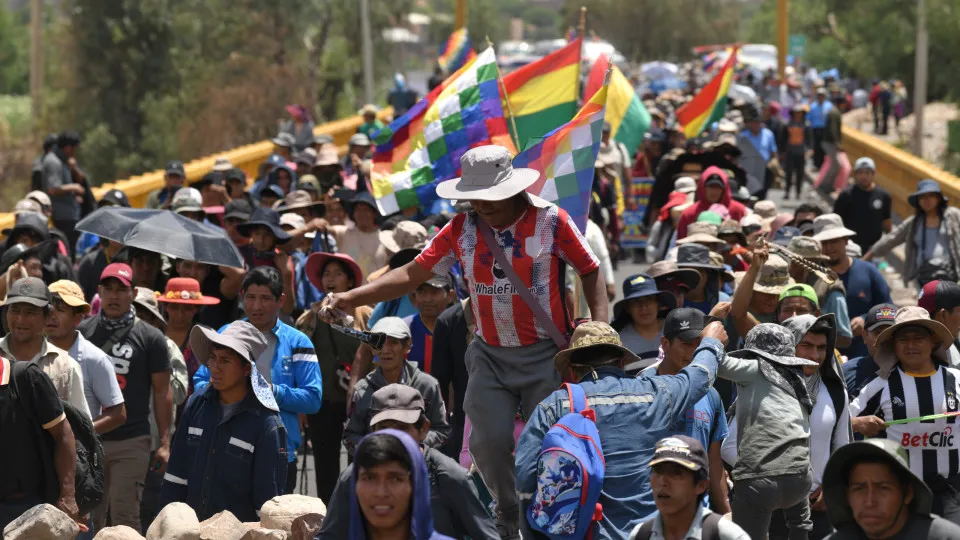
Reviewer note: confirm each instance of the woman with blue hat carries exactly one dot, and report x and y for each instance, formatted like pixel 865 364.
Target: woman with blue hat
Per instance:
pixel 638 318
pixel 931 235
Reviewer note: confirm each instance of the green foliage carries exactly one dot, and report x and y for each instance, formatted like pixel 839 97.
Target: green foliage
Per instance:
pixel 14 51
pixel 871 38
pixel 14 115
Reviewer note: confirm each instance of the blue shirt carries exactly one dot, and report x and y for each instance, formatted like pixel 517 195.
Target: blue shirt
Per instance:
pixel 706 421
pixel 307 294
pixel 865 288
pixel 421 349
pixel 632 415
pixel 295 375
pixel 706 306
pixel 399 307
pixel 817 116
pixel 764 142
pixel 857 373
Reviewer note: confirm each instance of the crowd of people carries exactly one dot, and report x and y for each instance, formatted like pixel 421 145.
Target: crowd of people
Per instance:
pixel 468 360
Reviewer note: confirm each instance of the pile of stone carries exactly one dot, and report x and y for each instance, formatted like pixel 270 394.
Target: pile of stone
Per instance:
pixel 288 517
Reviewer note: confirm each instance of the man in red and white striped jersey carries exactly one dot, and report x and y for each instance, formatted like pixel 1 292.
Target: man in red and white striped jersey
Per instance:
pixel 511 365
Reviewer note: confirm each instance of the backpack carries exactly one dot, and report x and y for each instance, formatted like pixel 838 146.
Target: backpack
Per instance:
pixel 570 471
pixel 88 481
pixel 710 528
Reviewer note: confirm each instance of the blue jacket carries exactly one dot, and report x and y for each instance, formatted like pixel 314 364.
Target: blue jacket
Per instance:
pixel 295 376
pixel 632 415
pixel 421 522
pixel 235 463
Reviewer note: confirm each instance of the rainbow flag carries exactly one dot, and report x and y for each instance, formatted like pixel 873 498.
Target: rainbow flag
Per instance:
pixel 628 117
pixel 543 94
pixel 456 51
pixel 710 104
pixel 566 157
pixel 423 147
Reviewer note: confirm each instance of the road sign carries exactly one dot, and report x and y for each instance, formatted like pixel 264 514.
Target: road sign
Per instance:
pixel 797 44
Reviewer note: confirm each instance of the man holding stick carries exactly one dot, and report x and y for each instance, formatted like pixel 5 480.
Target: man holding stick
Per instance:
pixel 520 329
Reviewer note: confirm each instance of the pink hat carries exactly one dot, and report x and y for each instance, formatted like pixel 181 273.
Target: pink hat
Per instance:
pixel 120 271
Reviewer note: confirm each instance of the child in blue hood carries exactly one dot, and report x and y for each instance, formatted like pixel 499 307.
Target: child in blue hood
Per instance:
pixel 391 489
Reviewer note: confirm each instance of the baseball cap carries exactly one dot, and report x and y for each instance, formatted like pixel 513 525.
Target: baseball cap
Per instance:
pixel 393 327
pixel 864 163
pixel 292 220
pixel 880 316
pixel 714 180
pixel 187 199
pixel 25 206
pixel 238 208
pixel 397 402
pixel 115 197
pixel 359 139
pixel 440 281
pixel 175 168
pixel 120 271
pixel 682 450
pixel 803 291
pixel 70 293
pixel 42 198
pixel 937 295
pixel 684 323
pixel 29 290
pixel 235 174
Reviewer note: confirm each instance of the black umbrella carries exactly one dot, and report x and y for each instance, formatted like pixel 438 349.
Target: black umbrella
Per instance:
pixel 162 231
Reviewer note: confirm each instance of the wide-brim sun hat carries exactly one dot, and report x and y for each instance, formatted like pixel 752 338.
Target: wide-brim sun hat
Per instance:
pixel 841 463
pixel 147 299
pixel 642 286
pixel 265 217
pixel 911 316
pixel 244 339
pixel 317 261
pixel 186 291
pixel 701 238
pixel 593 336
pixel 924 187
pixel 662 271
pixel 830 227
pixel 487 174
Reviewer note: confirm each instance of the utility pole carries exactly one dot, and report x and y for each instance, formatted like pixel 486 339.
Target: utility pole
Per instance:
pixel 460 15
pixel 783 33
pixel 367 51
pixel 36 57
pixel 920 78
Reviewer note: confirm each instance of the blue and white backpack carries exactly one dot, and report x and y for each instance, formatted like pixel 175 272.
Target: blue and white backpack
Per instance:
pixel 570 470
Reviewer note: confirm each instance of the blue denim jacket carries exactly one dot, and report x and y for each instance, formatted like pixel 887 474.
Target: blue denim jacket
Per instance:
pixel 295 376
pixel 233 463
pixel 632 415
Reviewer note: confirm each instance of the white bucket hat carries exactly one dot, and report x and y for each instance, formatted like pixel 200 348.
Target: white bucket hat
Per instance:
pixel 830 227
pixel 488 175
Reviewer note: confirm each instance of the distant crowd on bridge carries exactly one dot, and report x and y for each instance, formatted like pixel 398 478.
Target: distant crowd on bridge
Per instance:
pixel 478 362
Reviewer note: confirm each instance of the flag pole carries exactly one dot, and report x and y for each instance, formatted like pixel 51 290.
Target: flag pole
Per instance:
pixel 506 101
pixel 582 28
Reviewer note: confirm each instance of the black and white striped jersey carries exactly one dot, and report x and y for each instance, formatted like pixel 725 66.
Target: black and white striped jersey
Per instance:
pixel 933 445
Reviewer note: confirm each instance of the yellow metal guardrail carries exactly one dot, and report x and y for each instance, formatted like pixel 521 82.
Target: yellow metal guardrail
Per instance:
pixel 246 157
pixel 897 171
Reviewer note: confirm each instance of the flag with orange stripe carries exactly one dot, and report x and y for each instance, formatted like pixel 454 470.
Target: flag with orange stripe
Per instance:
pixel 710 104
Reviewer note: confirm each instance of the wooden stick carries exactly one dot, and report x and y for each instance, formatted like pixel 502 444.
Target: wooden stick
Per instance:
pixel 506 101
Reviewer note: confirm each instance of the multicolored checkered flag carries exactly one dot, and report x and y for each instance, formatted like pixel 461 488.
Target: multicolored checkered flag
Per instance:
pixel 566 157
pixel 423 147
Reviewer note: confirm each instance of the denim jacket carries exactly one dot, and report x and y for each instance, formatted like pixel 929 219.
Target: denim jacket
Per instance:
pixel 233 463
pixel 295 376
pixel 632 415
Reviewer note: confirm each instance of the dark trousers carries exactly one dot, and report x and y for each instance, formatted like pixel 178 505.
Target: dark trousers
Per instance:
pixel 946 498
pixel 821 526
pixel 10 511
pixel 794 171
pixel 326 432
pixel 69 229
pixel 291 477
pixel 150 500
pixel 817 149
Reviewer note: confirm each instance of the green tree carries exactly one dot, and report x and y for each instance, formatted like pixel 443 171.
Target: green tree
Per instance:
pixel 14 51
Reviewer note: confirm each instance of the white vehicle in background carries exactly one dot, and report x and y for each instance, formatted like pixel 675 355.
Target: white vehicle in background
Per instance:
pixel 513 54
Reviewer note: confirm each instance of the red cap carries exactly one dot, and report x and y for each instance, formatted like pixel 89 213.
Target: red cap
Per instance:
pixel 120 271
pixel 928 297
pixel 937 295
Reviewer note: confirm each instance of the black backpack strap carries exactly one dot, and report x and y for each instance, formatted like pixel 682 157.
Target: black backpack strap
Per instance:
pixel 710 529
pixel 118 336
pixel 645 531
